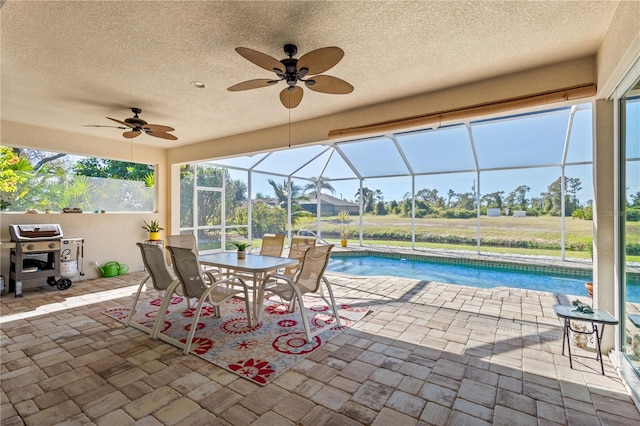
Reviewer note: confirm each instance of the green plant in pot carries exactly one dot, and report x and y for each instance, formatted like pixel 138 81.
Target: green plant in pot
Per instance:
pixel 153 228
pixel 242 247
pixel 343 218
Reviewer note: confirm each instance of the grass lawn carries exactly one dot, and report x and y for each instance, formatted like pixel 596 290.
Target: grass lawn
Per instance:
pixel 510 231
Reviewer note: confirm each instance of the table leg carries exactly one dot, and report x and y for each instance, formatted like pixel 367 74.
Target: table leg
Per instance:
pixel 564 334
pixel 598 339
pixel 567 327
pixel 255 299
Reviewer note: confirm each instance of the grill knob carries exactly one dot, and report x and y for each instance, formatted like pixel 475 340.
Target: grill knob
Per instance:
pixel 30 246
pixel 52 245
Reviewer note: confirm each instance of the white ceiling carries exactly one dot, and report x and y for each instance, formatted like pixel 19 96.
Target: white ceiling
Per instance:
pixel 65 64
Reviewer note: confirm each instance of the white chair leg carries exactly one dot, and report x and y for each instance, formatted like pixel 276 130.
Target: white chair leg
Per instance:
pixel 135 301
pixel 162 311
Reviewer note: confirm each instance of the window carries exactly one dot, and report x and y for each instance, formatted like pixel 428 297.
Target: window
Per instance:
pixel 41 180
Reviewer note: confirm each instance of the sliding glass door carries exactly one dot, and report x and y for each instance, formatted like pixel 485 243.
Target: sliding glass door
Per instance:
pixel 630 224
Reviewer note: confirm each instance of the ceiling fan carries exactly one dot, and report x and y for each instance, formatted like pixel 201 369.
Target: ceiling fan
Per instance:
pixel 291 71
pixel 135 126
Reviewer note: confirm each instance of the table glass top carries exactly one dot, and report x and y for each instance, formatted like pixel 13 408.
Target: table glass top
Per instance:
pixel 598 315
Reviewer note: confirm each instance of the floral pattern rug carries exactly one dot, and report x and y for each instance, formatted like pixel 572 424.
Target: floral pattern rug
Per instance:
pixel 260 353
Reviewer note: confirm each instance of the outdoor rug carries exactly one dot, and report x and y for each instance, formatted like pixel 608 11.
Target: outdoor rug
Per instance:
pixel 260 353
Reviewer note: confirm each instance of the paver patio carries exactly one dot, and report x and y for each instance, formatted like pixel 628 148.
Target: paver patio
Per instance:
pixel 428 353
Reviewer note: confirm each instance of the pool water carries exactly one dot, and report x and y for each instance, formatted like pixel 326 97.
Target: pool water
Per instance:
pixel 469 274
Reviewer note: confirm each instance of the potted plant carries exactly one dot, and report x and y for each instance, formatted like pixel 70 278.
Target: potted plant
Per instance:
pixel 242 247
pixel 153 228
pixel 343 218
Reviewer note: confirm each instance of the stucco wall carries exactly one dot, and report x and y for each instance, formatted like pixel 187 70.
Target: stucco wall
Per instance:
pixel 108 236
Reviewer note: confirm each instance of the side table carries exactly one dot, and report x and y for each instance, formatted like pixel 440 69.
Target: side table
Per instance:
pixel 598 317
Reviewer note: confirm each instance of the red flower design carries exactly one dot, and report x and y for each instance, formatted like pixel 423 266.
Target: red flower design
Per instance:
pixel 206 311
pixel 200 345
pixel 199 326
pixel 288 323
pixel 276 310
pixel 253 369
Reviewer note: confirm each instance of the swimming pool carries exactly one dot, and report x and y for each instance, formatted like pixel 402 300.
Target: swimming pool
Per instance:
pixel 483 276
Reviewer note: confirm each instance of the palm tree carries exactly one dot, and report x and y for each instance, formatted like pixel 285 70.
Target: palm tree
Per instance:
pixel 282 193
pixel 312 187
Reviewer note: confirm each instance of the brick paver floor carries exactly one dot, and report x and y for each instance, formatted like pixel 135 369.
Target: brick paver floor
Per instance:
pixel 427 354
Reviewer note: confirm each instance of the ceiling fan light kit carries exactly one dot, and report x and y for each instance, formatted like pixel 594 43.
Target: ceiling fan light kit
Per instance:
pixel 135 126
pixel 292 70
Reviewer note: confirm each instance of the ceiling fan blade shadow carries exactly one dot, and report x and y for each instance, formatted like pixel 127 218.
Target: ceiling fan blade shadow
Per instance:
pixel 131 134
pixel 320 60
pixel 262 60
pixel 330 84
pixel 131 126
pixel 291 98
pixel 252 84
pixel 162 135
pixel 157 128
pixel 98 125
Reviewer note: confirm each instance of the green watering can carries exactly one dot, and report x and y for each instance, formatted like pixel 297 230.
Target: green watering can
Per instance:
pixel 112 269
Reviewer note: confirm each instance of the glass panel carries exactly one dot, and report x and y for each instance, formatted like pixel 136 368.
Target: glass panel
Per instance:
pixel 287 161
pixel 443 150
pixel 533 226
pixel 236 197
pixel 50 181
pixel 375 157
pixel 445 211
pixel 186 196
pixel 581 140
pixel 380 226
pixel 209 239
pixel 630 114
pixel 245 162
pixel 333 224
pixel 209 208
pixel 269 203
pixel 337 168
pixel 525 140
pixel 209 176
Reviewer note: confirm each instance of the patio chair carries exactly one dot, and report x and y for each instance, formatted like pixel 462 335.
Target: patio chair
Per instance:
pixel 161 279
pixel 297 249
pixel 189 241
pixel 272 245
pixel 307 280
pixel 201 285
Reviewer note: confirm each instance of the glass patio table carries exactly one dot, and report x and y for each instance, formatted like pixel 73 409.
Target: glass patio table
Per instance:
pixel 597 317
pixel 253 264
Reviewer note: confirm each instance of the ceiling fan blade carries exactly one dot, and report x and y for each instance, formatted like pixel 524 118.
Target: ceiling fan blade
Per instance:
pixel 162 135
pixel 320 60
pixel 329 84
pixel 252 84
pixel 97 125
pixel 131 126
pixel 262 60
pixel 157 128
pixel 291 98
pixel 131 134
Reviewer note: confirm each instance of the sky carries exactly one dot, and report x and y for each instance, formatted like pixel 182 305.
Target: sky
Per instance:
pixel 518 142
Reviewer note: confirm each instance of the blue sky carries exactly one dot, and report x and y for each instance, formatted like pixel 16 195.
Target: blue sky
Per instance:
pixel 518 141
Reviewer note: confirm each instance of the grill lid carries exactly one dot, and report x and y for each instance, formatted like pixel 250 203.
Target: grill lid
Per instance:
pixel 35 232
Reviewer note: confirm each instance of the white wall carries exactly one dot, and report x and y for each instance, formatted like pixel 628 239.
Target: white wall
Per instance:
pixel 107 237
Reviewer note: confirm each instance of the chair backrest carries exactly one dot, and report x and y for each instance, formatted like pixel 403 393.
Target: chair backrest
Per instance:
pixel 156 264
pixel 272 245
pixel 187 268
pixel 314 263
pixel 184 241
pixel 297 249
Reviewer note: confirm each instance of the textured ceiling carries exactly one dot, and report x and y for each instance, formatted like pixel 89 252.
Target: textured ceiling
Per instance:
pixel 65 64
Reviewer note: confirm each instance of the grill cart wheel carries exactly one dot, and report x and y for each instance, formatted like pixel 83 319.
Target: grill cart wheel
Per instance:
pixel 51 281
pixel 63 284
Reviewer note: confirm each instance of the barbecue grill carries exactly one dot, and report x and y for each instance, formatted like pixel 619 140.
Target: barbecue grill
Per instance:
pixel 36 255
